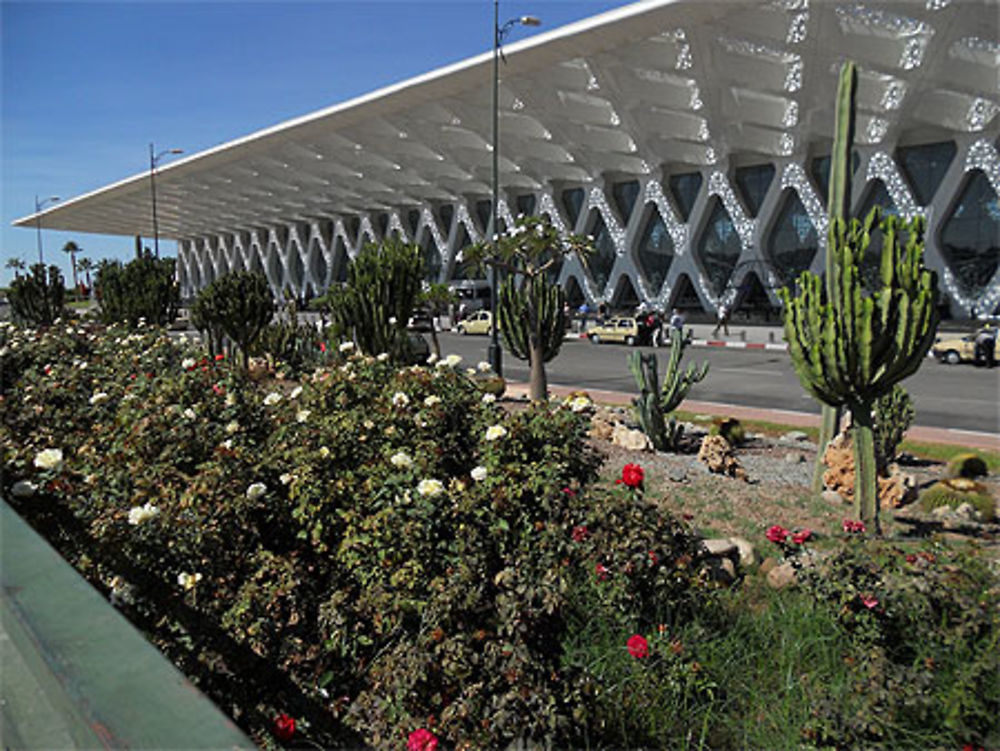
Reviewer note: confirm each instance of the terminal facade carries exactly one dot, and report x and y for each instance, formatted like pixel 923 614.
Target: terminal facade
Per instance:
pixel 691 140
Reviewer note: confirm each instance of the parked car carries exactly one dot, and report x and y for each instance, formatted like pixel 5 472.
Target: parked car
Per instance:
pixel 956 349
pixel 420 321
pixel 625 329
pixel 478 323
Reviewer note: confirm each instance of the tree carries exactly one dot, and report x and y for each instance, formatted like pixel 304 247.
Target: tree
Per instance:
pixel 531 309
pixel 240 305
pixel 435 298
pixel 71 248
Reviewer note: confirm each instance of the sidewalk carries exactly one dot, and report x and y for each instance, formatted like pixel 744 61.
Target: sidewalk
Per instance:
pixel 952 437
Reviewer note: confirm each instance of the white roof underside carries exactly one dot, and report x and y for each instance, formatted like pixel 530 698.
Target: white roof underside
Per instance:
pixel 671 84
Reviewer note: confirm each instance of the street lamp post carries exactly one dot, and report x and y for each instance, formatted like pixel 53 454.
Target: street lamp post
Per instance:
pixel 39 205
pixel 494 353
pixel 153 161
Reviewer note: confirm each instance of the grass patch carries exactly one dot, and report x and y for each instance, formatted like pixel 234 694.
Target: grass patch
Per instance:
pixel 944 453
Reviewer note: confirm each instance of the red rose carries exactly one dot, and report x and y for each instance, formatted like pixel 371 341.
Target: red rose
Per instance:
pixel 910 558
pixel 580 533
pixel 632 476
pixel 653 558
pixel 284 727
pixel 638 647
pixel 801 536
pixel 421 740
pixel 854 527
pixel 601 572
pixel 322 346
pixel 777 534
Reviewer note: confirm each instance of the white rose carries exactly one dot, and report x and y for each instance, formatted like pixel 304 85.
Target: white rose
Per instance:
pixel 296 392
pixel 489 398
pixel 187 363
pixel 286 479
pixel 188 581
pixel 382 356
pixel 484 367
pixel 479 473
pixel 346 346
pixel 580 404
pixel 399 399
pixel 139 514
pixel 189 413
pixel 430 488
pixel 432 358
pixel 49 459
pixel 99 397
pixel 431 400
pixel 401 459
pixel 493 432
pixel 230 399
pixel 232 427
pixel 271 399
pixel 256 491
pixel 303 414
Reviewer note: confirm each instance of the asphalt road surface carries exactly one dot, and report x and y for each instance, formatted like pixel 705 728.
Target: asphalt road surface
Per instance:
pixel 960 397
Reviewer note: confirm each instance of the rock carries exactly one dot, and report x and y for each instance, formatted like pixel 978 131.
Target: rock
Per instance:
pixel 942 511
pixel 898 489
pixel 795 458
pixel 967 511
pixel 768 564
pixel 794 436
pixel 728 568
pixel 633 440
pixel 719 547
pixel 602 425
pixel 832 496
pixel 721 570
pixel 748 556
pixel 781 576
pixel 678 475
pixel 894 491
pixel 717 455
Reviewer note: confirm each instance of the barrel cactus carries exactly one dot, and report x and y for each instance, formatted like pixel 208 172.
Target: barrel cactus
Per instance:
pixel 955 491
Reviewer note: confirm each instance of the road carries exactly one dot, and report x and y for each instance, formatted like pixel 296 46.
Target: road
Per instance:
pixel 946 396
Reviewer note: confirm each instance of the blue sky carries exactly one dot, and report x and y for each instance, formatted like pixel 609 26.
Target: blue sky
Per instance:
pixel 86 86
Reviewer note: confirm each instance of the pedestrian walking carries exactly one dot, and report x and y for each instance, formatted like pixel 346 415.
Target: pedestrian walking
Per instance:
pixel 986 346
pixel 723 320
pixel 677 321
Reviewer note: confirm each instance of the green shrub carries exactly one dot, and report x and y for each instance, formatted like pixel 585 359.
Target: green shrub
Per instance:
pixel 729 428
pixel 239 305
pixel 955 491
pixel 967 465
pixel 38 297
pixel 144 289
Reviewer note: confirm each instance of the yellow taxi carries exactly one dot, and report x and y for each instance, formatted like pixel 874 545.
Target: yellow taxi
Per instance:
pixel 477 323
pixel 623 329
pixel 956 349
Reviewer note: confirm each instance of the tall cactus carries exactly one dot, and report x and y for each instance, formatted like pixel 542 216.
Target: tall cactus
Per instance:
pixel 381 291
pixel 839 207
pixel 849 348
pixel 653 403
pixel 532 321
pixel 37 297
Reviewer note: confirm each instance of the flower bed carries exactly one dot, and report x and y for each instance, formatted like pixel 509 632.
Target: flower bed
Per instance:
pixel 386 556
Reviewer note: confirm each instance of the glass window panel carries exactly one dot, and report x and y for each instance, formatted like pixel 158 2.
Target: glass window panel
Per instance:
pixel 431 256
pixel 925 167
pixel 684 188
pixel 340 261
pixel 446 213
pixel 625 194
pixel 573 203
pixel 719 247
pixel 484 212
pixel 753 183
pixel 656 251
pixel 970 237
pixel 625 298
pixel 463 269
pixel 793 242
pixel 603 259
pixel 413 219
pixel 526 204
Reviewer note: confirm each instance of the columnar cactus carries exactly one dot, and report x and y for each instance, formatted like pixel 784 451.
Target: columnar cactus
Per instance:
pixel 839 206
pixel 849 348
pixel 532 320
pixel 653 403
pixel 144 288
pixel 374 306
pixel 37 297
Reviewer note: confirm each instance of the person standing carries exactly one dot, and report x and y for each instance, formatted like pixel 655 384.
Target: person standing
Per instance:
pixel 723 320
pixel 677 321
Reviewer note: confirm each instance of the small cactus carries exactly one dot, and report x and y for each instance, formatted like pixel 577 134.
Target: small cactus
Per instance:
pixel 955 491
pixel 968 465
pixel 729 428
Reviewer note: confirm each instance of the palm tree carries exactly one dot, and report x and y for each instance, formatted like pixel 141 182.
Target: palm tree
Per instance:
pixel 72 248
pixel 86 266
pixel 17 264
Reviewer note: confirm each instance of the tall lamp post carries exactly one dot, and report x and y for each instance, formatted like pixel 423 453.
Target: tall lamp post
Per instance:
pixel 495 354
pixel 154 159
pixel 39 205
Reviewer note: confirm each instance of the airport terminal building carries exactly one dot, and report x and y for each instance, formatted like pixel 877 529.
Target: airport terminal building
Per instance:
pixel 691 139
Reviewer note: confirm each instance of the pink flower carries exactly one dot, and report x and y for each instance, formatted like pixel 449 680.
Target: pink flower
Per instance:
pixel 632 476
pixel 910 558
pixel 219 357
pixel 422 739
pixel 853 527
pixel 322 346
pixel 801 536
pixel 580 533
pixel 569 491
pixel 638 647
pixel 777 534
pixel 868 601
pixel 601 572
pixel 284 727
